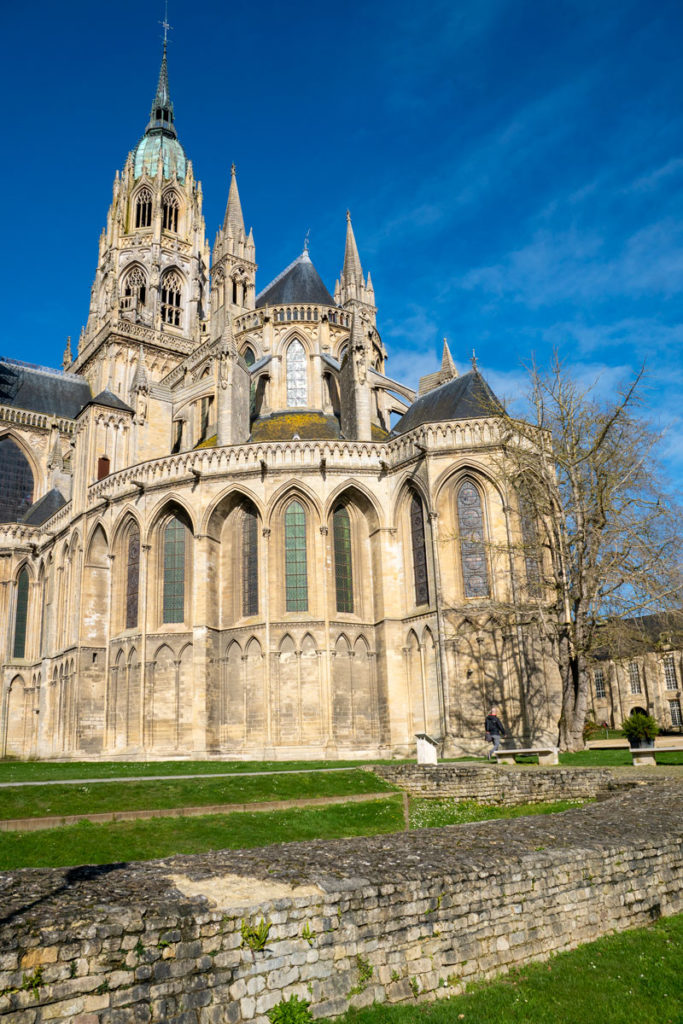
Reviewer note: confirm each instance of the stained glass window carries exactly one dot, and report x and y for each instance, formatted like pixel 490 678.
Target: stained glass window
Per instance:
pixel 343 571
pixel 133 578
pixel 417 534
pixel 174 571
pixel 297 388
pixel 16 493
pixel 472 549
pixel 250 561
pixel 21 615
pixel 296 573
pixel 530 544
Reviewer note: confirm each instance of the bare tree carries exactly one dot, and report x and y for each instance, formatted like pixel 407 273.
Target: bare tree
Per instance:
pixel 597 535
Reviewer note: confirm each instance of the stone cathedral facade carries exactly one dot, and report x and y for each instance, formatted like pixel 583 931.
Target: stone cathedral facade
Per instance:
pixel 215 540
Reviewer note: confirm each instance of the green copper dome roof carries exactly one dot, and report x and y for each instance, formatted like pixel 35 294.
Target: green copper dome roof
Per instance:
pixel 160 141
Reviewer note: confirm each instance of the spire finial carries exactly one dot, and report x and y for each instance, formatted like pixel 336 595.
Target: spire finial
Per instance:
pixel 306 240
pixel 474 360
pixel 233 170
pixel 165 25
pixel 348 216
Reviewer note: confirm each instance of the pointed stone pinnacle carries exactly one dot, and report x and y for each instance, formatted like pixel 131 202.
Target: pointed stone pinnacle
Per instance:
pixel 447 364
pixel 352 270
pixel 233 223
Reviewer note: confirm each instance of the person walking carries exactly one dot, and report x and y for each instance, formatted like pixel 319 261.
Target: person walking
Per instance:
pixel 494 730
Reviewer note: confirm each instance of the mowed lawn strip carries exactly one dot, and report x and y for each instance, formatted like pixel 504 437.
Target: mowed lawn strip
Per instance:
pixel 631 978
pixel 43 771
pixel 87 843
pixel 95 798
pixel 435 813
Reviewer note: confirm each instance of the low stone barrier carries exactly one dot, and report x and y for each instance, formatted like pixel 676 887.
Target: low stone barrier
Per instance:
pixel 494 784
pixel 223 937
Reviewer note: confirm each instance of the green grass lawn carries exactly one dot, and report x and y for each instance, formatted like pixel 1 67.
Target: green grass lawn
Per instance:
pixel 86 843
pixel 614 758
pixel 631 978
pixel 42 771
pixel 94 798
pixel 430 813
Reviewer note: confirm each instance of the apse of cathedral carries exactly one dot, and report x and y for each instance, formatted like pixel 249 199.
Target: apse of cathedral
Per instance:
pixel 225 530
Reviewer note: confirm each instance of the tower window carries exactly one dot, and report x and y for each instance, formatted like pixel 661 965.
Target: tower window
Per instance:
pixel 169 211
pixel 297 386
pixel 417 534
pixel 296 570
pixel 343 572
pixel 134 290
pixel 250 561
pixel 174 571
pixel 171 291
pixel 472 548
pixel 102 467
pixel 19 648
pixel 143 208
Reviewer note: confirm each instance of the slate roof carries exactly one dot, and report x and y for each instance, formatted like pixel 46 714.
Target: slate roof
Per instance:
pixel 464 398
pixel 299 282
pixel 45 507
pixel 109 400
pixel 42 389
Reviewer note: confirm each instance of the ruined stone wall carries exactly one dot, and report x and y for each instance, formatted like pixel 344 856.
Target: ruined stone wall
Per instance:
pixel 494 784
pixel 389 918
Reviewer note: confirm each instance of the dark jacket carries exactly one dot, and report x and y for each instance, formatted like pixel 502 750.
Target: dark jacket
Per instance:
pixel 493 724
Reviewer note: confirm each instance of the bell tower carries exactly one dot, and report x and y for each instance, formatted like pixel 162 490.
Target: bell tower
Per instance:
pixel 150 292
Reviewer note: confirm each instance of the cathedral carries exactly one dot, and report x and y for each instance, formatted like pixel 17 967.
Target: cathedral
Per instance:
pixel 226 531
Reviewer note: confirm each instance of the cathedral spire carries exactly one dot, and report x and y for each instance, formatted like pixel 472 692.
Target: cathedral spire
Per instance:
pixel 161 114
pixel 447 364
pixel 352 270
pixel 233 223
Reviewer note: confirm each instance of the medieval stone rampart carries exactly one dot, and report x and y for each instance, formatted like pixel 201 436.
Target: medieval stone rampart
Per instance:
pixel 351 921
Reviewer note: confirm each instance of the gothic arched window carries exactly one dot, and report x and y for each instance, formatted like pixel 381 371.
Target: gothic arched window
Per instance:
pixel 343 567
pixel 296 571
pixel 174 535
pixel 134 289
pixel 16 493
pixel 132 577
pixel 417 536
pixel 171 292
pixel 169 211
pixel 21 615
pixel 250 561
pixel 297 387
pixel 143 208
pixel 475 575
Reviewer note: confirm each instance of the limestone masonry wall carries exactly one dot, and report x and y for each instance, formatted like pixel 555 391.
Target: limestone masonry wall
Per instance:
pixel 389 918
pixel 502 786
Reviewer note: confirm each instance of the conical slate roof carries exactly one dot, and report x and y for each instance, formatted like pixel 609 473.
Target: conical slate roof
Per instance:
pixel 299 282
pixel 464 398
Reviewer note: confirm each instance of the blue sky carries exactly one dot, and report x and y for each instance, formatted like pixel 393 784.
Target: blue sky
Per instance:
pixel 514 169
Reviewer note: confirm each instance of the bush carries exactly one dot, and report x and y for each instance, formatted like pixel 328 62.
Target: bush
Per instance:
pixel 638 727
pixel 290 1011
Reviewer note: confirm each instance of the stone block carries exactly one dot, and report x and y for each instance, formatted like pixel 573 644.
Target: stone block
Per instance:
pixel 39 956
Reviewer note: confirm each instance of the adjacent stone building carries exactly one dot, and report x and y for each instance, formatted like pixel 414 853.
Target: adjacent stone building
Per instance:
pixel 225 531
pixel 641 670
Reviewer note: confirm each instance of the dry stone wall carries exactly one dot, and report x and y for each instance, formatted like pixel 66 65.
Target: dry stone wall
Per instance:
pixel 222 937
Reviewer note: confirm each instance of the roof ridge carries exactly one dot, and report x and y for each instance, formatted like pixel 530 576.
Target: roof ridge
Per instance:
pixel 42 369
pixel 280 276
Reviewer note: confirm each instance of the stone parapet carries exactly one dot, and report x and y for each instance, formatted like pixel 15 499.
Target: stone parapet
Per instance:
pixel 225 936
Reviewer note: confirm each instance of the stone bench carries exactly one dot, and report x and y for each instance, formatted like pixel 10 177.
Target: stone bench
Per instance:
pixel 546 755
pixel 618 744
pixel 646 755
